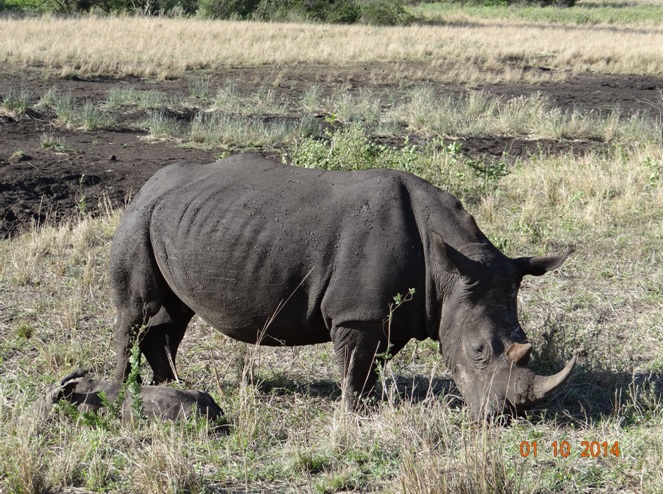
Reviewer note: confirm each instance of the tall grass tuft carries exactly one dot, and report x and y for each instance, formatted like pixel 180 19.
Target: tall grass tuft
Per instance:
pixel 71 114
pixel 162 126
pixel 168 464
pixel 120 96
pixel 220 129
pixel 15 103
pixel 91 117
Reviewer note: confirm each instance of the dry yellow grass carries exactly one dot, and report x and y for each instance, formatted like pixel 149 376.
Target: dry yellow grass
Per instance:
pixel 484 50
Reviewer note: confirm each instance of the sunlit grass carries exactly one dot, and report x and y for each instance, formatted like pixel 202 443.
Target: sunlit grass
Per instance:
pixel 487 49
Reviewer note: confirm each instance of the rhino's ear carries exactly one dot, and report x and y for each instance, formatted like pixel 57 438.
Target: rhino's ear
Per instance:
pixel 69 388
pixel 452 260
pixel 78 373
pixel 537 266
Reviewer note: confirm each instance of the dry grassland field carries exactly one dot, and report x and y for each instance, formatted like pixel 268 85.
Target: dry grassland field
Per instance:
pixel 546 123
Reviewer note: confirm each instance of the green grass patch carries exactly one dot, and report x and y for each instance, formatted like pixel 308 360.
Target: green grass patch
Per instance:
pixel 582 13
pixel 120 96
pixel 15 102
pixel 160 125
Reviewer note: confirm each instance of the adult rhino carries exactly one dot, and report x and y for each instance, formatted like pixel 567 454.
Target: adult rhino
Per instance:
pixel 280 255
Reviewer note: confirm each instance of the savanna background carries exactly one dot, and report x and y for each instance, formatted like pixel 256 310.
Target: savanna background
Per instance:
pixel 545 120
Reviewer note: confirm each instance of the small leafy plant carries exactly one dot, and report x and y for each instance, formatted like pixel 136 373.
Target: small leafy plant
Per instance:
pixel 133 384
pixel 57 144
pixel 349 148
pixel 18 155
pixel 82 202
pixel 382 358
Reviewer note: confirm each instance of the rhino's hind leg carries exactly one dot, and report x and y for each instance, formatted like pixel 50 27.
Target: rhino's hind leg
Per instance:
pixel 159 323
pixel 159 343
pixel 358 347
pixel 138 287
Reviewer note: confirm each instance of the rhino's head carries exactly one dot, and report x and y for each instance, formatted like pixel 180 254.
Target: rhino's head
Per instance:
pixel 481 339
pixel 61 390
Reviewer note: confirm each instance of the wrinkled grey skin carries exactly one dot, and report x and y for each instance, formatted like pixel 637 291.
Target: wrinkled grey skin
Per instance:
pixel 290 256
pixel 158 402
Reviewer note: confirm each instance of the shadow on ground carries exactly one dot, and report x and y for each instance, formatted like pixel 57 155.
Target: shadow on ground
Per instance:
pixel 593 396
pixel 589 397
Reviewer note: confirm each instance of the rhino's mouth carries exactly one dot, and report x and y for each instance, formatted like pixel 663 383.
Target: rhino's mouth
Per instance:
pixel 512 387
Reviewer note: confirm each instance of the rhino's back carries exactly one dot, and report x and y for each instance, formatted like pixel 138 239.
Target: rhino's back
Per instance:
pixel 246 241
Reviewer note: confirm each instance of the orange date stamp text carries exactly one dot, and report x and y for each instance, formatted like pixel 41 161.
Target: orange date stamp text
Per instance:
pixel 563 449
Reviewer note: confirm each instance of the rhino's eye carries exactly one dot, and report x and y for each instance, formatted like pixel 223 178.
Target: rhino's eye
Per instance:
pixel 478 351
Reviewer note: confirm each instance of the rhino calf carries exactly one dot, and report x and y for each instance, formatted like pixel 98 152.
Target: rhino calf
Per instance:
pixel 157 401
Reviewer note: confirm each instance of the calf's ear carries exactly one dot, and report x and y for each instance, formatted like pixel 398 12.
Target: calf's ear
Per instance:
pixel 537 266
pixel 78 373
pixel 69 387
pixel 451 259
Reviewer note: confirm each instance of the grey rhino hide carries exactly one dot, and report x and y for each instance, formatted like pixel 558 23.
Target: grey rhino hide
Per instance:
pixel 158 402
pixel 281 255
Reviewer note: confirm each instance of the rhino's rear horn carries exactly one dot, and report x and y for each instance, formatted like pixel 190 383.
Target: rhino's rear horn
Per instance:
pixel 543 386
pixel 519 353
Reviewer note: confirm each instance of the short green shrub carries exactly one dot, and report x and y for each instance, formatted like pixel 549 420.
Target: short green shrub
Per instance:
pixel 344 149
pixel 350 149
pixel 331 11
pixel 97 6
pixel 384 13
pixel 442 163
pixel 226 9
pixel 336 12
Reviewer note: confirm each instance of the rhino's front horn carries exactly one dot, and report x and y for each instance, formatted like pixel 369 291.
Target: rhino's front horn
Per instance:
pixel 543 386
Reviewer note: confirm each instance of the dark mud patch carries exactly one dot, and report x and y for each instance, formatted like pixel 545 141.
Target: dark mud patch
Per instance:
pixel 512 148
pixel 97 170
pixel 628 94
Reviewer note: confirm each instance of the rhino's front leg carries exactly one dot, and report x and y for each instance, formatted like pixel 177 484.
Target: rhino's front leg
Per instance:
pixel 357 347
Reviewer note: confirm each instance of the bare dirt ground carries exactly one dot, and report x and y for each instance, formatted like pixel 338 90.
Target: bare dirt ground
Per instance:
pixel 45 183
